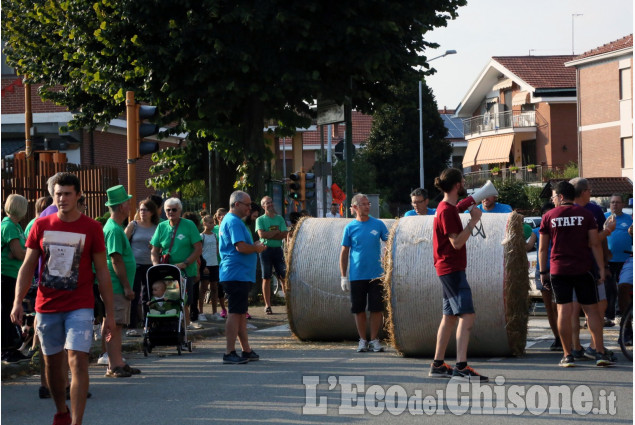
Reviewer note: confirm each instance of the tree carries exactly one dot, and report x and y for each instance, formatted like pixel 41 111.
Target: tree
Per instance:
pixel 219 69
pixel 393 143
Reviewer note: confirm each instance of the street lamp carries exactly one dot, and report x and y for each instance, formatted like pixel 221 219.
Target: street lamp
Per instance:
pixel 447 52
pixel 573 15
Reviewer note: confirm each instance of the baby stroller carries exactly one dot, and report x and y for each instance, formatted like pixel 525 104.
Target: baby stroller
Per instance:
pixel 165 320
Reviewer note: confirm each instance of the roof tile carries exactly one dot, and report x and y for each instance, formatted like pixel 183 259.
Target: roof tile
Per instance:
pixel 541 72
pixel 620 44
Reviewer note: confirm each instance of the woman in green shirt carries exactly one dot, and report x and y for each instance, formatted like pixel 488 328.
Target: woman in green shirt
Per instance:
pixel 13 251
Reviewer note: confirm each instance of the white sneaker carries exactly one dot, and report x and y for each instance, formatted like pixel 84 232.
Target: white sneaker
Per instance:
pixel 202 318
pixel 375 346
pixel 363 346
pixel 217 317
pixel 103 359
pixel 250 326
pixel 193 326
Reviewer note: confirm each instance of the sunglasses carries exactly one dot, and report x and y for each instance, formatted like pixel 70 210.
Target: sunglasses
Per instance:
pixel 171 209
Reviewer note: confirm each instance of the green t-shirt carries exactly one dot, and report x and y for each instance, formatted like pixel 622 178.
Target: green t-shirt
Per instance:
pixel 10 231
pixel 117 242
pixel 266 223
pixel 186 236
pixel 526 231
pixel 27 229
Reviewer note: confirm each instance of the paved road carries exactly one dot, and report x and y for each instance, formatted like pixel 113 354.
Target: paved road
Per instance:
pixel 197 389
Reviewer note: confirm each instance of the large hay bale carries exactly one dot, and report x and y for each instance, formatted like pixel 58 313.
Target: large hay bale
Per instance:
pixel 317 307
pixel 496 271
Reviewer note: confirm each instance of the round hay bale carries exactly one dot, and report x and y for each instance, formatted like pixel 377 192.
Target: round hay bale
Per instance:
pixel 317 307
pixel 497 272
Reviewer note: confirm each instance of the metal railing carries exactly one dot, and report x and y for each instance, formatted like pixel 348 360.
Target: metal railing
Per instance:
pixel 491 121
pixel 537 174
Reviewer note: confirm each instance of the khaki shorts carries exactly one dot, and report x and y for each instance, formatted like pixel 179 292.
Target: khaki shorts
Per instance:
pixel 122 309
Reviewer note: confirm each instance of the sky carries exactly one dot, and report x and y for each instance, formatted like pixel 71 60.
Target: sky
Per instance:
pixel 486 28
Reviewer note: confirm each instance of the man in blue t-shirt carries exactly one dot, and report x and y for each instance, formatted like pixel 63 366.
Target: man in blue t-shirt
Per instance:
pixel 619 241
pixel 489 205
pixel 362 241
pixel 419 201
pixel 237 271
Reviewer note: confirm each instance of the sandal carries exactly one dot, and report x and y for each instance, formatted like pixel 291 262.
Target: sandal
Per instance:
pixel 268 310
pixel 132 332
pixel 117 372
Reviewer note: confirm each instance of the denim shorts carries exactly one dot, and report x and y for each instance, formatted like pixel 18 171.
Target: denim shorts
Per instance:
pixel 457 295
pixel 71 330
pixel 272 258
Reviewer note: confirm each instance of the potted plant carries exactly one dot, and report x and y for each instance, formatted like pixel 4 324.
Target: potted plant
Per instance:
pixel 531 168
pixel 513 169
pixel 495 171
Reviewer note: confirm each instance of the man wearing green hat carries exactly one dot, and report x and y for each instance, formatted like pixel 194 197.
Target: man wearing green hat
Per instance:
pixel 122 267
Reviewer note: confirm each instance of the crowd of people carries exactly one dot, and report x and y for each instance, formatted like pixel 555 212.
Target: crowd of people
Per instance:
pixel 83 279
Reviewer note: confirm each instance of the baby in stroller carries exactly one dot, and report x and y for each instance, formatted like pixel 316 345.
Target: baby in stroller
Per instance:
pixel 159 304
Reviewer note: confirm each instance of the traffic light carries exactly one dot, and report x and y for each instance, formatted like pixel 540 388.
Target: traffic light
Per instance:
pixel 294 186
pixel 309 186
pixel 146 129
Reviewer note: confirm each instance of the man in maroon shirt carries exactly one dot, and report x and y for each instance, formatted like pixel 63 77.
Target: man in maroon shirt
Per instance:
pixel 572 229
pixel 450 261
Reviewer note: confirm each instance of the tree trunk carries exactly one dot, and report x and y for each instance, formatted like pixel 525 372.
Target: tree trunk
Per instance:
pixel 253 140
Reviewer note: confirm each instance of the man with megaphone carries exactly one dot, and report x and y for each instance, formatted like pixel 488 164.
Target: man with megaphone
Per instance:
pixel 450 261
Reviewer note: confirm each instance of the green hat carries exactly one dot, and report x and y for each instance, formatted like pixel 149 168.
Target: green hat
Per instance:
pixel 117 195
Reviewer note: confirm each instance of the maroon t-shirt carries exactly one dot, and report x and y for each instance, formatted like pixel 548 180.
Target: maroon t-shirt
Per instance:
pixel 66 278
pixel 446 258
pixel 568 228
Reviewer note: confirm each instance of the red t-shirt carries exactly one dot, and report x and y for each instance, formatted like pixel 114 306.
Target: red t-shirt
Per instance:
pixel 66 280
pixel 446 258
pixel 568 228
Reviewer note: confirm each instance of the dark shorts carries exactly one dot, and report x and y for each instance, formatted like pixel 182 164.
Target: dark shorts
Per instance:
pixel 363 290
pixel 584 285
pixel 189 290
pixel 237 294
pixel 272 258
pixel 457 295
pixel 211 275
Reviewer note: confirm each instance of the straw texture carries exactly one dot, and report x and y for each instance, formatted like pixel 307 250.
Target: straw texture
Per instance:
pixel 317 307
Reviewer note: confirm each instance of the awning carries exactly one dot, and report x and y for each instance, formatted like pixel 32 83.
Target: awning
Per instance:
pixel 469 159
pixel 495 149
pixel 520 98
pixel 491 100
pixel 503 84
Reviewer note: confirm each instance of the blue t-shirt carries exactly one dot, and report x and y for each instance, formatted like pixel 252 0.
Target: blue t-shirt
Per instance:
pixel 363 239
pixel 235 266
pixel 536 232
pixel 498 208
pixel 620 241
pixel 431 211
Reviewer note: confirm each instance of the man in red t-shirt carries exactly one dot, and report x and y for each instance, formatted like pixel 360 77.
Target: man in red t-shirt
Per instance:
pixel 450 261
pixel 70 243
pixel 572 229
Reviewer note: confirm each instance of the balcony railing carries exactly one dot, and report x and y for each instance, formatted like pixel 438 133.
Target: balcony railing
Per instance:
pixel 537 174
pixel 491 121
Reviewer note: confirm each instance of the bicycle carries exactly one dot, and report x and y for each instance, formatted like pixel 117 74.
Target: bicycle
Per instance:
pixel 626 333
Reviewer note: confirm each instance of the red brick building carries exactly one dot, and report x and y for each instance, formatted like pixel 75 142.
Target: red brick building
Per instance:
pixel 605 109
pixel 520 111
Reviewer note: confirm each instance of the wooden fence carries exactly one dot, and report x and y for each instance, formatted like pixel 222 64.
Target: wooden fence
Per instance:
pixel 28 178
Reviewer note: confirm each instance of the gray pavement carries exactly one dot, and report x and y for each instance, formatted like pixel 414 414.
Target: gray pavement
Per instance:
pixel 342 386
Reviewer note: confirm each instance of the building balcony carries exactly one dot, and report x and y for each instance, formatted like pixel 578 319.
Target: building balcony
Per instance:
pixel 495 122
pixel 536 174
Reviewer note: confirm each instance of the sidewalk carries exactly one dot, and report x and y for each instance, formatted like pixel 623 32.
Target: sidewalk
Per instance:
pixel 210 329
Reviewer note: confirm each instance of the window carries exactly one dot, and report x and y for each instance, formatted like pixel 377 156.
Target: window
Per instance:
pixel 625 84
pixel 627 152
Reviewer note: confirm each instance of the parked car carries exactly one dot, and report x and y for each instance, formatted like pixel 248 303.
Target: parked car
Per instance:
pixel 533 221
pixel 532 259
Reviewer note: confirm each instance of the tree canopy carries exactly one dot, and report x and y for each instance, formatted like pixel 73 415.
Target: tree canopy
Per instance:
pixel 393 143
pixel 219 69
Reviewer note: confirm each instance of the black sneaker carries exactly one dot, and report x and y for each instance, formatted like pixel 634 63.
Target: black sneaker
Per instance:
pixel 556 346
pixel 233 358
pixel 578 354
pixel 603 359
pixel 250 356
pixel 443 371
pixel 567 361
pixel 44 392
pixel 14 356
pixel 468 374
